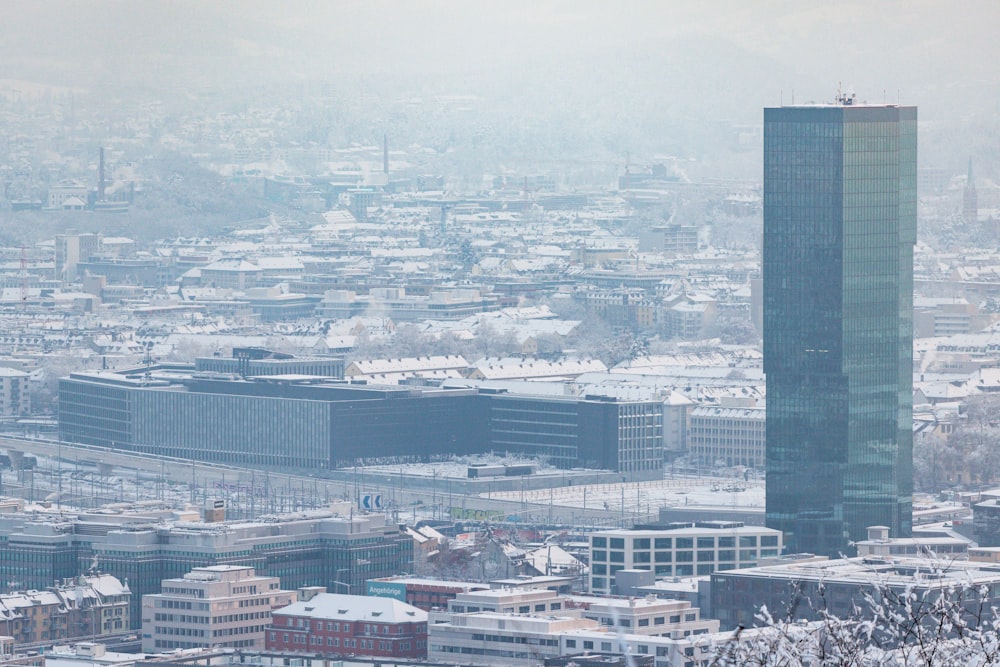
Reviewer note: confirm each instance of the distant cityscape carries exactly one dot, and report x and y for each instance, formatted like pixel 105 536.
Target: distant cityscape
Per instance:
pixel 350 372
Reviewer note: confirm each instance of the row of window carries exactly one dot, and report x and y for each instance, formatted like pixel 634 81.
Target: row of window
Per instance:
pixel 707 542
pixel 335 642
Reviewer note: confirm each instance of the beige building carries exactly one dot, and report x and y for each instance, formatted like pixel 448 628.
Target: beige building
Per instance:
pixel 215 606
pixel 650 616
pixel 85 606
pixel 15 399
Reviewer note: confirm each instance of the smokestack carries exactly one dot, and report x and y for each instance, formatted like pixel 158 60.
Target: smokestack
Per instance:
pixel 385 154
pixel 100 178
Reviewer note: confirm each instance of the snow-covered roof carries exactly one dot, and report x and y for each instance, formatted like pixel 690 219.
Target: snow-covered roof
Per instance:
pixel 333 606
pixel 495 368
pixel 407 364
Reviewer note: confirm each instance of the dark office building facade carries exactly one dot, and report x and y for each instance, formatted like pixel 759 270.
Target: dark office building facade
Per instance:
pixel 839 229
pixel 301 423
pixel 590 432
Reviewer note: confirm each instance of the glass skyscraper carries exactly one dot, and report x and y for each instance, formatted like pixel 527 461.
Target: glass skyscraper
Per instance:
pixel 839 227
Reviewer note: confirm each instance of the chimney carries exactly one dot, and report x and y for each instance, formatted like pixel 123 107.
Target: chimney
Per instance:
pixel 385 154
pixel 100 177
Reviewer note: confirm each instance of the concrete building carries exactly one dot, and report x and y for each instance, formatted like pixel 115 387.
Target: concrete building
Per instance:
pixel 508 601
pixel 689 549
pixel 803 588
pixel 493 639
pixel 395 303
pixel 310 548
pixel 332 624
pixel 727 435
pixel 840 208
pixel 70 251
pixel 233 273
pixel 15 398
pixel 219 605
pixel 650 616
pixel 946 316
pixel 880 544
pixel 669 239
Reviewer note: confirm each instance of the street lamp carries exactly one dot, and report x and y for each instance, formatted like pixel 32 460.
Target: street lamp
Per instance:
pixel 341 583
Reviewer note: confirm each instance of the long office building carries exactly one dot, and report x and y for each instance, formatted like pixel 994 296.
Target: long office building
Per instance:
pixel 298 421
pixel 839 229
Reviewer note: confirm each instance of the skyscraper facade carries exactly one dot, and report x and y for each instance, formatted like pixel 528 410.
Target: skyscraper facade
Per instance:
pixel 839 228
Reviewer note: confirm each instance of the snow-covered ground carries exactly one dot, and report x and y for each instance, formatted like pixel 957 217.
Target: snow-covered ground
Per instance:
pixel 647 497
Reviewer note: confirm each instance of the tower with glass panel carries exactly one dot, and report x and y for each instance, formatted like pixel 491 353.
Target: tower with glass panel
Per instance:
pixel 839 230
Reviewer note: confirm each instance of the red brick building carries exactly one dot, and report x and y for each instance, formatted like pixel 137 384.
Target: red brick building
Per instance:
pixel 332 624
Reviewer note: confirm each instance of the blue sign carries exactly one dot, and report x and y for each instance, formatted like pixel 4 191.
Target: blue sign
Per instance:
pixel 386 589
pixel 371 501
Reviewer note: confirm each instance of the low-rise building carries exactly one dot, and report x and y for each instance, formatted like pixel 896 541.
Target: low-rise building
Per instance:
pixel 650 616
pixel 420 592
pixel 219 605
pixel 508 601
pixel 492 638
pixel 334 624
pixel 803 589
pixel 727 435
pixel 880 544
pixel 685 549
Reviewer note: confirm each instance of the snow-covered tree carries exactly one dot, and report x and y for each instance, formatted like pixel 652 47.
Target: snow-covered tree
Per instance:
pixel 951 626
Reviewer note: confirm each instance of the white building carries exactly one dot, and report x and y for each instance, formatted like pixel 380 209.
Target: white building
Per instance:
pixel 727 435
pixel 650 616
pixel 219 605
pixel 689 549
pixel 508 601
pixel 491 638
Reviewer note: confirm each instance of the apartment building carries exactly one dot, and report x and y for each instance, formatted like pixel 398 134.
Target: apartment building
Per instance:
pixel 215 606
pixel 83 606
pixel 15 399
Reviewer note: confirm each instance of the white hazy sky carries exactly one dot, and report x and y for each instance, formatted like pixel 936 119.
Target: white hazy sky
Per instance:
pixel 650 60
pixel 828 40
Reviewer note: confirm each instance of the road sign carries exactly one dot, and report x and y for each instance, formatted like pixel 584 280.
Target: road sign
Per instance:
pixel 371 501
